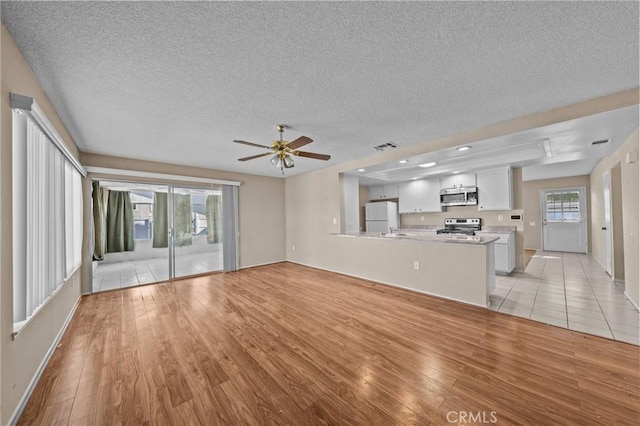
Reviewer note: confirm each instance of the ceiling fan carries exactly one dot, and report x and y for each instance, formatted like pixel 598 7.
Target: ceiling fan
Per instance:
pixel 283 150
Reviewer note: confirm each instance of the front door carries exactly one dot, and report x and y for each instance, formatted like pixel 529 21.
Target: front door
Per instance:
pixel 564 220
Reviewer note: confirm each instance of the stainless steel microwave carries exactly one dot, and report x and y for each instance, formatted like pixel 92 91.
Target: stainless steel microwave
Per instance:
pixel 462 196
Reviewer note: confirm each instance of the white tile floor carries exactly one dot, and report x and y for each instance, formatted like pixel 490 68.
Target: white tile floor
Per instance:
pixel 568 290
pixel 110 276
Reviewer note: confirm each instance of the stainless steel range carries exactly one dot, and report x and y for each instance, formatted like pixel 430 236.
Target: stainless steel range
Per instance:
pixel 460 226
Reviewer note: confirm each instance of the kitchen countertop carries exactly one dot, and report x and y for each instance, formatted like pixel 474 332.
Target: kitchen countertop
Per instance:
pixel 435 239
pixel 497 229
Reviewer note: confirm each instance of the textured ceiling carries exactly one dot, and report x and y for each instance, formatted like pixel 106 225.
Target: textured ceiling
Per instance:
pixel 177 81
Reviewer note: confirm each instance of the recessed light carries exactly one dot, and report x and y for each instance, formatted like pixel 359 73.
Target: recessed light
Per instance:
pixel 431 164
pixel 361 170
pixel 403 161
pixel 464 148
pixel 455 173
pixel 414 178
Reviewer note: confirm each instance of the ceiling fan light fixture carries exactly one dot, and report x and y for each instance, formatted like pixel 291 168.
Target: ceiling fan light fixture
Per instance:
pixel 275 160
pixel 288 161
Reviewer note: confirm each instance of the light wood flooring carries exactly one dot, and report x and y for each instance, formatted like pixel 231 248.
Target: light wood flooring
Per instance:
pixel 286 344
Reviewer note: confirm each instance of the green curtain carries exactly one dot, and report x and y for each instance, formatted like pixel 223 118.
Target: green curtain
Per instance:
pixel 160 220
pixel 214 220
pixel 100 198
pixel 182 220
pixel 120 236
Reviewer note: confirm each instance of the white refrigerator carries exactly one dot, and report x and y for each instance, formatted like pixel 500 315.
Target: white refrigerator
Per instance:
pixel 380 217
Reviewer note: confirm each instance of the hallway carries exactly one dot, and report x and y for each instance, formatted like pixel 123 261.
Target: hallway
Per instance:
pixel 568 290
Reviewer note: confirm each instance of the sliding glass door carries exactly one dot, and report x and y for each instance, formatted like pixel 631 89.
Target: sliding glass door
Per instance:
pixel 149 233
pixel 131 234
pixel 197 231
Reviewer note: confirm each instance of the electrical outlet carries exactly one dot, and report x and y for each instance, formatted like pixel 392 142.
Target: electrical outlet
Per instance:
pixel 421 218
pixel 293 247
pixel 416 265
pixel 532 224
pixel 335 221
pixel 500 217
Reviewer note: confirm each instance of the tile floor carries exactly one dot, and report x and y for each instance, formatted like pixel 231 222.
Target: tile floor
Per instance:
pixel 110 276
pixel 568 290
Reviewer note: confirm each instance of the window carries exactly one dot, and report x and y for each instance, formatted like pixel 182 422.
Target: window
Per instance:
pixel 563 206
pixel 47 212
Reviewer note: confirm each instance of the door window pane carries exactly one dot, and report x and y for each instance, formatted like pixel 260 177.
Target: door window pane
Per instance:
pixel 563 206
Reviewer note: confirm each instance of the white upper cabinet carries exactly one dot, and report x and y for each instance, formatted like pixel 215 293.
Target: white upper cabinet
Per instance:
pixel 495 189
pixel 419 196
pixel 383 192
pixel 461 179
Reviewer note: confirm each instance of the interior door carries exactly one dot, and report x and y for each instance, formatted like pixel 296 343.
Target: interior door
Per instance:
pixel 564 220
pixel 606 226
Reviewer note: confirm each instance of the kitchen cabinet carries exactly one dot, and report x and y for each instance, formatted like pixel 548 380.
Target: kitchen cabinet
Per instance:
pixel 495 189
pixel 505 250
pixel 458 180
pixel 419 196
pixel 383 192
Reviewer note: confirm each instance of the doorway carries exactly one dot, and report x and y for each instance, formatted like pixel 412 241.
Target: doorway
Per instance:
pixel 147 233
pixel 564 221
pixel 606 225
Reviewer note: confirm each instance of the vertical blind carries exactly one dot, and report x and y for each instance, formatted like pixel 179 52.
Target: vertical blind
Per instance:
pixel 49 188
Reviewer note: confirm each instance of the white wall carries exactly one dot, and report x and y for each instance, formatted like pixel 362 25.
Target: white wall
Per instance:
pixel 630 217
pixel 20 358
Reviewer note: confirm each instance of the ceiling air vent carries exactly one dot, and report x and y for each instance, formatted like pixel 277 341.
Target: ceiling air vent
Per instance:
pixel 599 142
pixel 385 146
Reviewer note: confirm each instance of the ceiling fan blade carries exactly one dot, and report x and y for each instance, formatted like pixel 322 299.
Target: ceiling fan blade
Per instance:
pixel 297 143
pixel 324 157
pixel 252 144
pixel 255 156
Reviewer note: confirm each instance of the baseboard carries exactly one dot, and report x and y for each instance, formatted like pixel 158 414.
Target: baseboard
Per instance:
pixel 263 264
pixel 630 299
pixel 409 289
pixel 36 377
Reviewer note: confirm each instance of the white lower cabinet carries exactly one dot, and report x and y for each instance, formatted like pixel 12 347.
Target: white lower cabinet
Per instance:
pixel 505 251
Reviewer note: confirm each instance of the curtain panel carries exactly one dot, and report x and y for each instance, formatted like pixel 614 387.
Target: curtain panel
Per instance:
pixel 214 218
pixel 160 220
pixel 100 198
pixel 182 220
pixel 120 236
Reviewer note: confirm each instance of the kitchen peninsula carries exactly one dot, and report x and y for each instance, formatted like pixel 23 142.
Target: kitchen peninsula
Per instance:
pixel 449 266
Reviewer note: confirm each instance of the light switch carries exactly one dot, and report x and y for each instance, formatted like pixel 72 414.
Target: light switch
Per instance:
pixel 416 264
pixel 532 224
pixel 500 217
pixel 421 218
pixel 335 221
